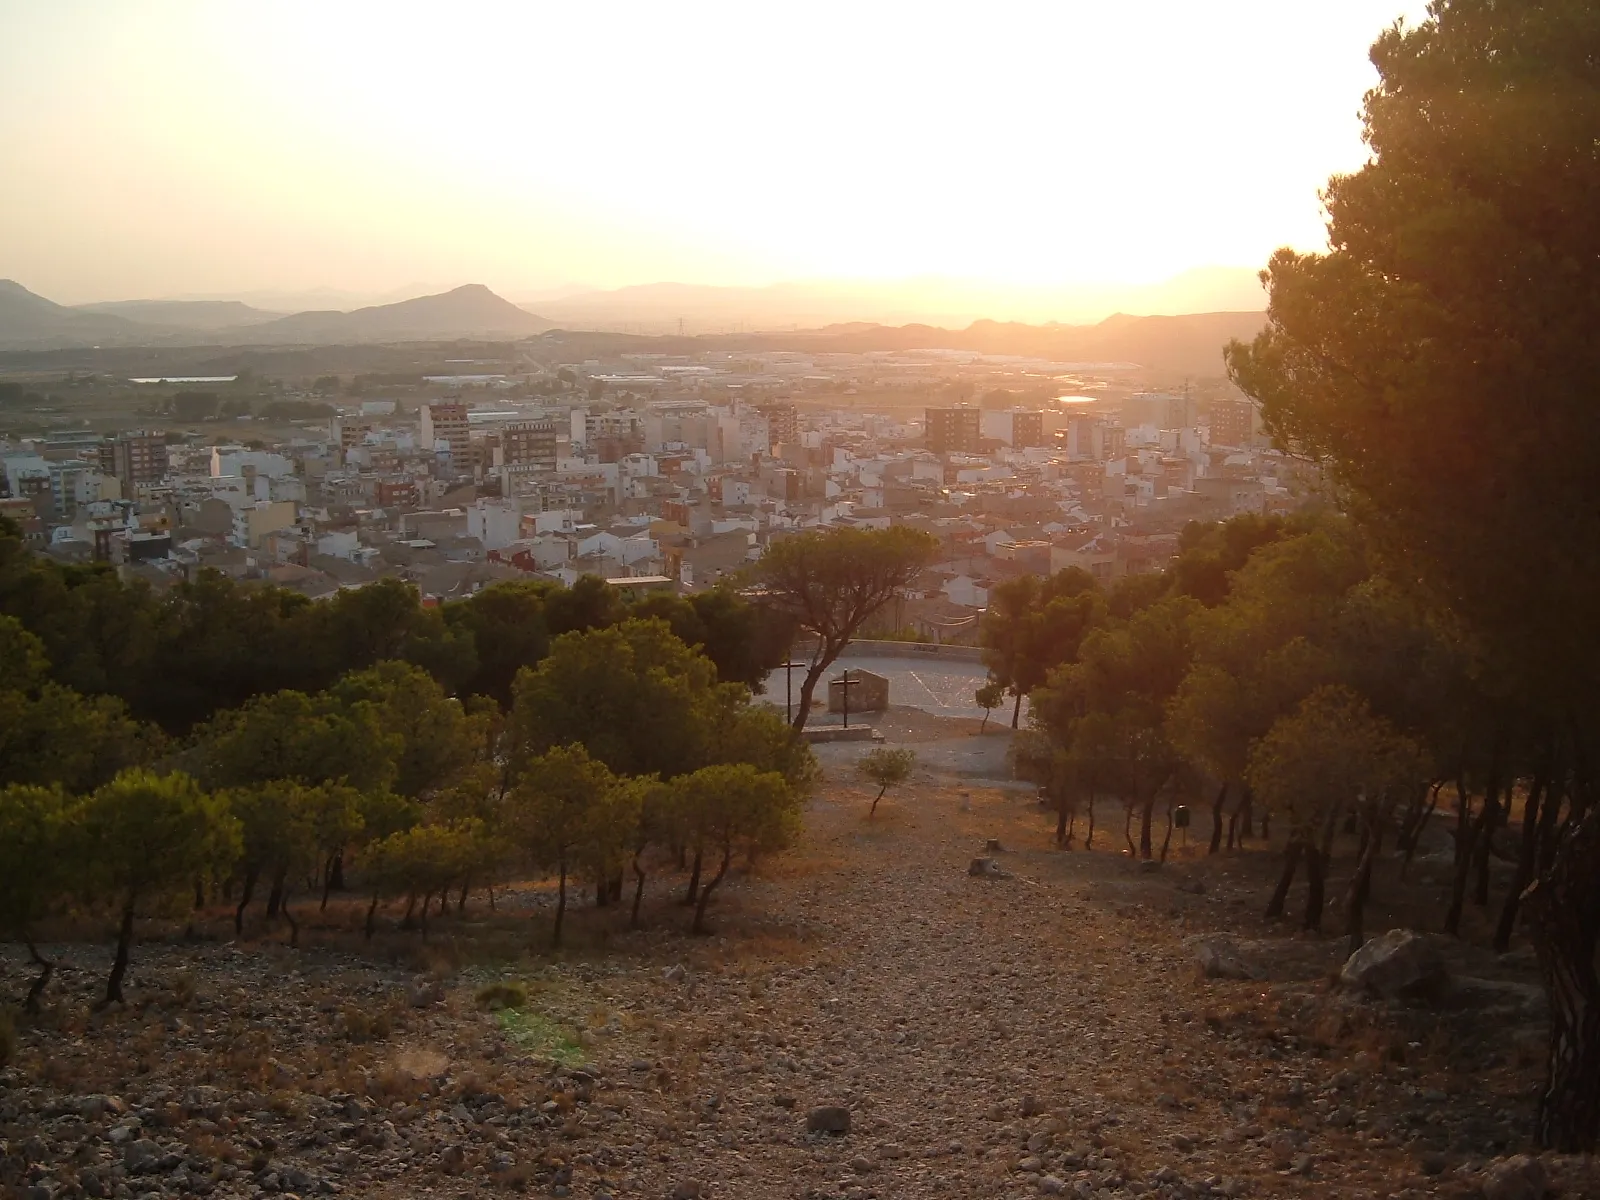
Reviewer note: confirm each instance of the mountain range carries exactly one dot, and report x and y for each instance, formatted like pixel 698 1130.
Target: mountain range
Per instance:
pixel 1170 346
pixel 31 322
pixel 932 300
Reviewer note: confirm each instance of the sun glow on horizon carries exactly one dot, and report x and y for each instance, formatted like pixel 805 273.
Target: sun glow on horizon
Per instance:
pixel 181 146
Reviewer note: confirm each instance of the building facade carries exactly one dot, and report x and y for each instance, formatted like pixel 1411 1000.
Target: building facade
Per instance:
pixel 446 422
pixel 1232 422
pixel 138 457
pixel 954 430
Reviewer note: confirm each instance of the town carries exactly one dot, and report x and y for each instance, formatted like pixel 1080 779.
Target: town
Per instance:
pixel 653 472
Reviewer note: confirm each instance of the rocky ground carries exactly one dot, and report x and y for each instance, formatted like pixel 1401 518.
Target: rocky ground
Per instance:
pixel 868 1020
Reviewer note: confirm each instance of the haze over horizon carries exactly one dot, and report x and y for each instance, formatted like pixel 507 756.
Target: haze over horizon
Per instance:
pixel 1028 164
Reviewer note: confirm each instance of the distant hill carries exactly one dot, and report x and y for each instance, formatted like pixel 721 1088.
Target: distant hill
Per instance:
pixel 183 314
pixel 28 321
pixel 937 301
pixel 470 311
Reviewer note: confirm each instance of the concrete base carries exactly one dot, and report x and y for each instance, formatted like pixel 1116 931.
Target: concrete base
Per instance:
pixel 838 733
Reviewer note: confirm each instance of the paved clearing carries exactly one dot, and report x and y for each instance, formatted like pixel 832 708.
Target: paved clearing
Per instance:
pixel 944 687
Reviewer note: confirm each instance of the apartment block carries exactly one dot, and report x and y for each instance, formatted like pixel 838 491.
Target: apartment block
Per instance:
pixel 954 430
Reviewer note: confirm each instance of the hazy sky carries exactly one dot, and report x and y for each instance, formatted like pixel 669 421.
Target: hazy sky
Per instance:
pixel 159 147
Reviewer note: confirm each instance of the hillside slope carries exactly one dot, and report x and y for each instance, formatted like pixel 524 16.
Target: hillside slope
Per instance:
pixel 468 311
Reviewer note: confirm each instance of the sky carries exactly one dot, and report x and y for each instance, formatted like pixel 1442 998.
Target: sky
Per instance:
pixel 183 147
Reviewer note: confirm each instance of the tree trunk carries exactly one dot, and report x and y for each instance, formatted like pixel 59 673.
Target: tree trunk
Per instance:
pixel 294 926
pixel 1167 840
pixel 422 916
pixel 1527 854
pixel 1291 863
pixel 199 893
pixel 1316 887
pixel 275 897
pixel 336 871
pixel 694 876
pixel 705 894
pixel 372 917
pixel 251 875
pixel 561 905
pixel 1564 918
pixel 638 892
pixel 1146 812
pixel 873 811
pixel 409 921
pixel 327 883
pixel 31 1004
pixel 1016 711
pixel 1063 836
pixel 616 887
pixel 1475 830
pixel 826 656
pixel 602 890
pixel 119 965
pixel 1549 826
pixel 1216 821
pixel 1495 815
pixel 1088 837
pixel 1266 825
pixel 1127 829
pixel 1413 837
pixel 1463 820
pixel 1355 902
pixel 461 900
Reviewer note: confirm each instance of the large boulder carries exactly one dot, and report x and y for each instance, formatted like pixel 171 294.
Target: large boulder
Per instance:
pixel 1516 1178
pixel 1400 965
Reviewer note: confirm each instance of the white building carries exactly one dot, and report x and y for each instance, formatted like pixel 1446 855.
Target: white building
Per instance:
pixel 495 523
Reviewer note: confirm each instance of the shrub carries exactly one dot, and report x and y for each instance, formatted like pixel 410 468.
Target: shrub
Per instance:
pixel 507 993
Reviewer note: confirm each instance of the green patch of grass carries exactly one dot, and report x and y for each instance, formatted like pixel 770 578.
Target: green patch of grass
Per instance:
pixel 538 1034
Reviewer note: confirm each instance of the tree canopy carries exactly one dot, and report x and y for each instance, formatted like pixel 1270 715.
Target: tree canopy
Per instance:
pixel 829 582
pixel 1438 363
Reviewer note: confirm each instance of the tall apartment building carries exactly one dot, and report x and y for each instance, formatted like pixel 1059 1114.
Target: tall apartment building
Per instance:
pixel 446 422
pixel 783 424
pixel 1027 429
pixel 1017 428
pixel 1164 410
pixel 1232 422
pixel 954 430
pixel 528 446
pixel 136 457
pixel 349 432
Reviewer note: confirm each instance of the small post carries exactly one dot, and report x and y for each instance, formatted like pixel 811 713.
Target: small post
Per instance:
pixel 845 683
pixel 788 689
